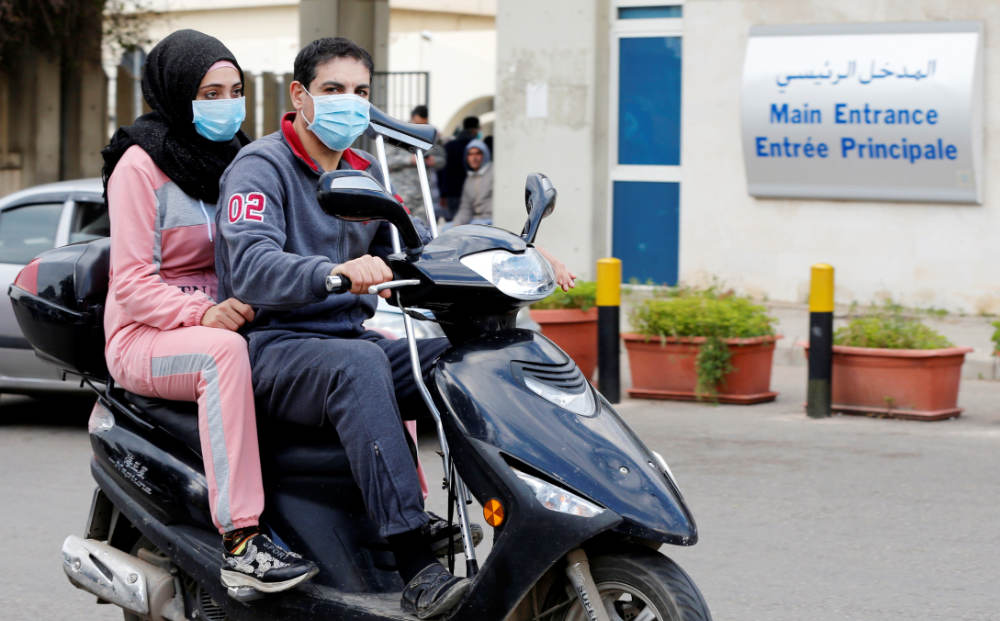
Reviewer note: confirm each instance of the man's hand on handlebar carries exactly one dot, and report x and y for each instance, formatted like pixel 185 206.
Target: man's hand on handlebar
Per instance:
pixel 229 314
pixel 364 272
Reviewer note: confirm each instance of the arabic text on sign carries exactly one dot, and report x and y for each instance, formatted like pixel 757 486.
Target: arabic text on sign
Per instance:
pixel 872 72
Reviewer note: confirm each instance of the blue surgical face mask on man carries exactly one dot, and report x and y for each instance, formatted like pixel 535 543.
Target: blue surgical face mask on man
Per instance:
pixel 219 119
pixel 338 120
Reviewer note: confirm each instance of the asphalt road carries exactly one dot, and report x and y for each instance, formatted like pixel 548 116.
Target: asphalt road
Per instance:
pixel 839 519
pixel 45 492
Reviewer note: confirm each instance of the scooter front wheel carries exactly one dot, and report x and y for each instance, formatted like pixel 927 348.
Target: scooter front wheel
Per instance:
pixel 635 585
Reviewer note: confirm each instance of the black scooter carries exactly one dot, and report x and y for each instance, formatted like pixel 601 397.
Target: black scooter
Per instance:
pixel 578 504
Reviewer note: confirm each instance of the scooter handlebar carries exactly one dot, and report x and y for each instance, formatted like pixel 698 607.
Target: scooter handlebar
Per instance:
pixel 338 284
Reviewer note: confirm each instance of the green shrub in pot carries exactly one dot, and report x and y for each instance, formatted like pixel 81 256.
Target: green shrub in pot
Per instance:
pixel 693 313
pixel 888 328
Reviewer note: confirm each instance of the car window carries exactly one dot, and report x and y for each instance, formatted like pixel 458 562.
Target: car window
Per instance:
pixel 90 221
pixel 26 231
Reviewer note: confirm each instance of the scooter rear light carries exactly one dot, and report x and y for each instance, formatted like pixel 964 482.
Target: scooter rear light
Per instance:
pixel 101 419
pixel 555 498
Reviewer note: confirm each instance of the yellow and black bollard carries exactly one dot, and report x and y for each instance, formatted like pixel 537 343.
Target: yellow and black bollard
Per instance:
pixel 818 391
pixel 609 299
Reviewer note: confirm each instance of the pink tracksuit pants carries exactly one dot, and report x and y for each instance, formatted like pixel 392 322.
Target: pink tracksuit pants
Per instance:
pixel 210 366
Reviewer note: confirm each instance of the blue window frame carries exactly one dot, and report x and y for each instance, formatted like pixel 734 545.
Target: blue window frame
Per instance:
pixel 650 12
pixel 649 101
pixel 646 230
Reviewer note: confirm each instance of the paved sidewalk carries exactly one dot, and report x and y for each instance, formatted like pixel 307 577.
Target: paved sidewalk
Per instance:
pixel 846 518
pixel 793 325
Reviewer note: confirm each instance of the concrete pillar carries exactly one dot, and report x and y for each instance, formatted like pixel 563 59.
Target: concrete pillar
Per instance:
pixel 551 117
pixel 366 22
pixel 35 112
pixel 10 159
pixel 85 112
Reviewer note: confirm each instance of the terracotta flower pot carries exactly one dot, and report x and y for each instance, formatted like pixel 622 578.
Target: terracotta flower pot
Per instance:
pixel 920 384
pixel 666 369
pixel 574 331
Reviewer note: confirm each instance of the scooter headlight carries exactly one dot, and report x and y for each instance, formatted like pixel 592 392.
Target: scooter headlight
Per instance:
pixel 525 276
pixel 556 498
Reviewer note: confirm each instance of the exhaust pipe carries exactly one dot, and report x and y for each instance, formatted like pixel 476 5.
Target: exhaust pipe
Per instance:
pixel 122 579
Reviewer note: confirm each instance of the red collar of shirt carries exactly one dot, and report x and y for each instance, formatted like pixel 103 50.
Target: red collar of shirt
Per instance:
pixel 353 160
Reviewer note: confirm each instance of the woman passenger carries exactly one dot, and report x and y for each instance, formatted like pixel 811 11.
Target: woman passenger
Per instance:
pixel 167 336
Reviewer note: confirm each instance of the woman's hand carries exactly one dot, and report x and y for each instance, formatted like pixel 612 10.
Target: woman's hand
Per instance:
pixel 564 278
pixel 229 314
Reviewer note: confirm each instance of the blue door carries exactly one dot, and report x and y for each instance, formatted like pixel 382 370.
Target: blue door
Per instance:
pixel 646 230
pixel 646 175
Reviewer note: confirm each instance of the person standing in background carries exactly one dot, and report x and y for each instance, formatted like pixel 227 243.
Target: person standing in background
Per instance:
pixel 476 206
pixel 452 177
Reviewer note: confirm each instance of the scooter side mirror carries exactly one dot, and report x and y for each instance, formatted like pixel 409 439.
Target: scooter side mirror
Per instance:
pixel 539 200
pixel 356 196
pixel 409 136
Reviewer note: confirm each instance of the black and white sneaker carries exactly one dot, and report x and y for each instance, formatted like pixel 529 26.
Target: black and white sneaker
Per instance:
pixel 260 564
pixel 434 592
pixel 441 534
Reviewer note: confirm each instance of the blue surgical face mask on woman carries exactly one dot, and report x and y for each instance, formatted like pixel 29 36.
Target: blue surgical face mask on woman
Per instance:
pixel 338 120
pixel 219 119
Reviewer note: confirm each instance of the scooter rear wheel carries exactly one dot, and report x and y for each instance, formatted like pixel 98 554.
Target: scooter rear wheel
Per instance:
pixel 635 585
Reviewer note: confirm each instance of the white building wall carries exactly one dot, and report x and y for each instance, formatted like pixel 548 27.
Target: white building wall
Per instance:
pixel 921 255
pixel 555 47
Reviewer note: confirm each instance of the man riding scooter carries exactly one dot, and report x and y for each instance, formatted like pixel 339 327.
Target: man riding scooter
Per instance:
pixel 277 250
pixel 312 361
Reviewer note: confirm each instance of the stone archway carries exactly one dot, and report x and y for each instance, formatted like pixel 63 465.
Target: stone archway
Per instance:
pixel 481 106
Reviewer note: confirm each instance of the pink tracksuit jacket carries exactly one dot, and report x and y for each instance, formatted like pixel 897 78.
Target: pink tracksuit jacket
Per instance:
pixel 162 282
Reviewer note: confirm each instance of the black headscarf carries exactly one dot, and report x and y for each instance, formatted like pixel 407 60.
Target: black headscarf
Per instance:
pixel 170 79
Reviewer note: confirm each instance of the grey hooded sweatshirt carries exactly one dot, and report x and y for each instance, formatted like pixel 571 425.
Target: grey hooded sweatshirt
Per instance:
pixel 477 192
pixel 276 245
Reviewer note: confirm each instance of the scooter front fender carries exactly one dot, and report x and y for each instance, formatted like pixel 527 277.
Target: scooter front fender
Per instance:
pixel 481 384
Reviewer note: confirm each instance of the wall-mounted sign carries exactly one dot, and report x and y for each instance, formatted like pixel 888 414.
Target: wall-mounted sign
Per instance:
pixel 865 111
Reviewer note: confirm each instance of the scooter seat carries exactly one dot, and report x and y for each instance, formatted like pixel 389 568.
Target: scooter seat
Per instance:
pixel 285 448
pixel 178 418
pixel 292 449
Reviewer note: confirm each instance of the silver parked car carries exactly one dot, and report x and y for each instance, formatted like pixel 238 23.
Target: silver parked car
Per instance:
pixel 31 221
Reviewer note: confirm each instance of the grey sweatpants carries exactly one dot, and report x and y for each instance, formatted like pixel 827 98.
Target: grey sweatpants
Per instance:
pixel 353 384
